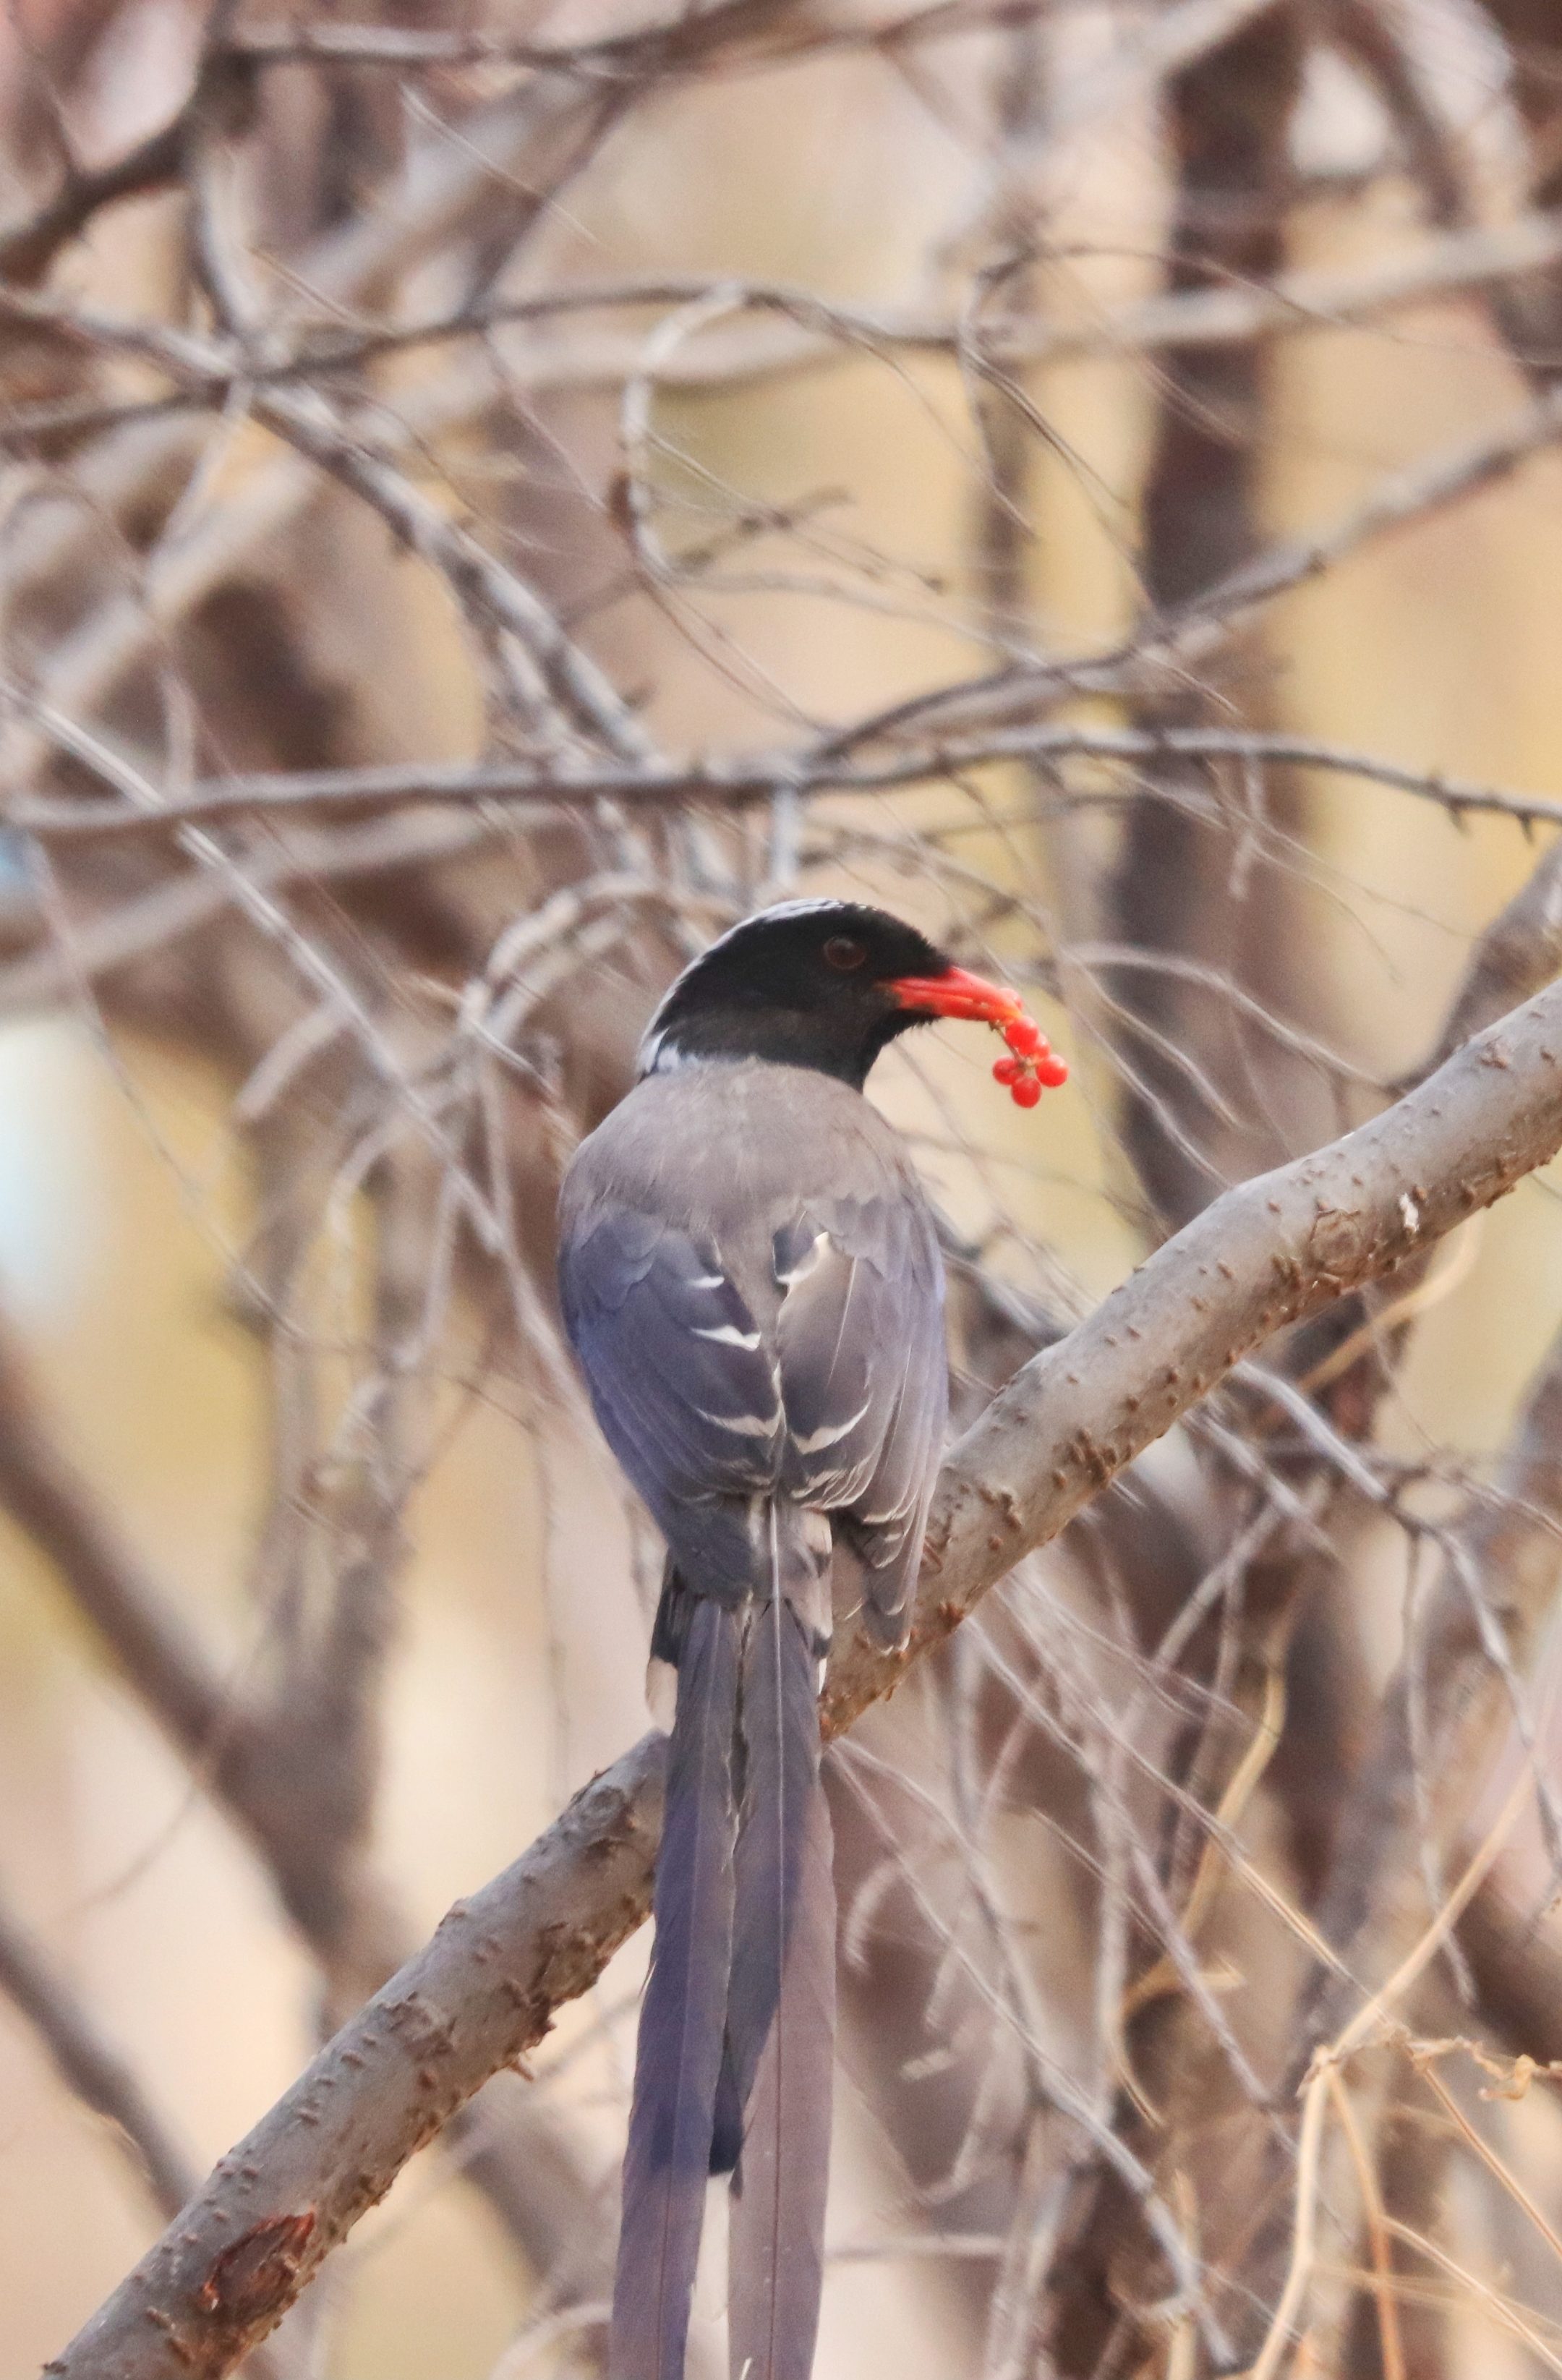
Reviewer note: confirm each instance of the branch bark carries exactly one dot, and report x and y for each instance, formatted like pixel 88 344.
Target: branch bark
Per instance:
pixel 253 1771
pixel 482 1993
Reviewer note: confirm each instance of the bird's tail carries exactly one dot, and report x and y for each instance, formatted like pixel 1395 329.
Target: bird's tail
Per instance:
pixel 774 2108
pixel 679 2059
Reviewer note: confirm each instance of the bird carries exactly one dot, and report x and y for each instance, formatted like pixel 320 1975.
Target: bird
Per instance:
pixel 750 1276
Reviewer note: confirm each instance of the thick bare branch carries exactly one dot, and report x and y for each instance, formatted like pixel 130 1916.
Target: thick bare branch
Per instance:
pixel 254 1771
pixel 1276 1248
pixel 474 2000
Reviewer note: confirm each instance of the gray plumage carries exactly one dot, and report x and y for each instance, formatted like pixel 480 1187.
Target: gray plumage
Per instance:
pixel 780 2010
pixel 751 1278
pixel 679 2062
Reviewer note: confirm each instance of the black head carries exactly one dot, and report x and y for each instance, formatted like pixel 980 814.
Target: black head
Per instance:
pixel 826 984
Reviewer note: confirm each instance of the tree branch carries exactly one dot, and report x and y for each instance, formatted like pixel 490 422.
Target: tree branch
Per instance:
pixel 29 248
pixel 251 1766
pixel 482 1993
pixel 806 331
pixel 737 782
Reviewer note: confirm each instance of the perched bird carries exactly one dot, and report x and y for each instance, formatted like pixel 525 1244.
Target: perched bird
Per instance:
pixel 751 1279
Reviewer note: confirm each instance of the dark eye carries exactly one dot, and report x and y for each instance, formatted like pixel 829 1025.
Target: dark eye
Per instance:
pixel 841 951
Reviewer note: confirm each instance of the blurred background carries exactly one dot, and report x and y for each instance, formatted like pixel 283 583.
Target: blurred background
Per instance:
pixel 562 476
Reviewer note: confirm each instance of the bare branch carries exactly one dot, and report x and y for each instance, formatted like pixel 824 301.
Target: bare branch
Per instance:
pixel 739 781
pixel 1279 1247
pixel 474 2000
pixel 252 1769
pixel 48 1497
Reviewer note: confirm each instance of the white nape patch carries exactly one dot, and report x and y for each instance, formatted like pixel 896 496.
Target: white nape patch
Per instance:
pixel 727 1334
pixel 831 1436
pixel 661 1694
pixel 659 1056
pixel 708 1280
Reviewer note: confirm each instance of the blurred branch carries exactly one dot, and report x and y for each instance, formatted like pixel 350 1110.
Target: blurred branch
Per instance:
pixel 51 1502
pixel 1394 2334
pixel 28 249
pixel 1517 1971
pixel 1373 32
pixel 1276 1248
pixel 223 85
pixel 1159 657
pixel 738 781
pixel 427 979
pixel 481 583
pixel 1182 31
pixel 1472 1639
pixel 219 93
pixel 1179 885
pixel 1529 311
pixel 1164 650
pixel 249 1767
pixel 634 57
pixel 523 145
pixel 813 329
pixel 1518 952
pixel 96 2074
pixel 305 420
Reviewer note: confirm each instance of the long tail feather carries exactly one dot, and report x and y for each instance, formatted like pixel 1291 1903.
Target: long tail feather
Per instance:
pixel 776 2251
pixel 781 2014
pixel 680 2050
pixel 780 1765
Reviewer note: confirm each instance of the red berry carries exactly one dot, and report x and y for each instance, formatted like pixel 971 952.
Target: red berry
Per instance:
pixel 1021 1035
pixel 1008 1070
pixel 1027 1092
pixel 1052 1070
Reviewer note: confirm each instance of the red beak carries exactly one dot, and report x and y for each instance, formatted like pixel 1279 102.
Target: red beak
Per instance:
pixel 957 993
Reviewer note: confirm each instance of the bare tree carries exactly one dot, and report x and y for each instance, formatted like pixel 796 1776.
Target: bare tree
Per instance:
pixel 437 596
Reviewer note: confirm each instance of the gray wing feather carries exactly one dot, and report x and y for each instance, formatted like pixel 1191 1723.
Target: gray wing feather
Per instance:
pixel 683 1387
pixel 864 1376
pixel 839 1403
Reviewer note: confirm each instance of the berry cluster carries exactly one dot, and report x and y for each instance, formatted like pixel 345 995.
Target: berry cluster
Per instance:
pixel 1035 1066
